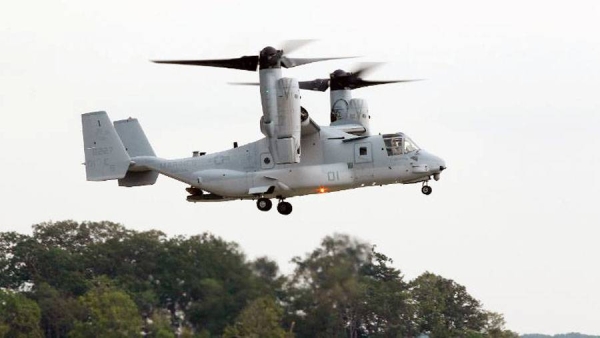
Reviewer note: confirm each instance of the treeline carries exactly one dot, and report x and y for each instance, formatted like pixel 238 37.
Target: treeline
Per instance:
pixel 563 335
pixel 99 279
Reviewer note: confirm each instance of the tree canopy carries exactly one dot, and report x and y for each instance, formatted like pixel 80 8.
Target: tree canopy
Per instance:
pixel 77 279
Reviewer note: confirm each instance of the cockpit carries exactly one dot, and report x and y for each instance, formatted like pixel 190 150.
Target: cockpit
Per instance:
pixel 398 144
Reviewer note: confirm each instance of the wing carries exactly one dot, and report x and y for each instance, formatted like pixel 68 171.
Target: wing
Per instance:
pixel 309 128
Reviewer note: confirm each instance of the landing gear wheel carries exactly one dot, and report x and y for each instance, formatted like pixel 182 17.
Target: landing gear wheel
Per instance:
pixel 264 204
pixel 284 208
pixel 426 189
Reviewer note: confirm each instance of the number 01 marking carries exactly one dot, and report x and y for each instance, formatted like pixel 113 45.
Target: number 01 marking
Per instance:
pixel 333 176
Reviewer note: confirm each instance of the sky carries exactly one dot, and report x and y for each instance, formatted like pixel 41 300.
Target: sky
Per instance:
pixel 510 101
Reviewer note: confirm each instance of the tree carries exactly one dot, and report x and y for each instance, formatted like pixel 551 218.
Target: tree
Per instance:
pixel 444 308
pixel 346 289
pixel 109 312
pixel 101 278
pixel 261 318
pixel 18 260
pixel 58 253
pixel 202 280
pixel 160 325
pixel 494 327
pixel 267 279
pixel 389 309
pixel 206 278
pixel 58 311
pixel 19 316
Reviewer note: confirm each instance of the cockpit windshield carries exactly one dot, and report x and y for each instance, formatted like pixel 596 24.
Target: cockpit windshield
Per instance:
pixel 398 144
pixel 409 145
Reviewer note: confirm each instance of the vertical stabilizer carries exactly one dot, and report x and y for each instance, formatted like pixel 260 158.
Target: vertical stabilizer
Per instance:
pixel 105 155
pixel 136 144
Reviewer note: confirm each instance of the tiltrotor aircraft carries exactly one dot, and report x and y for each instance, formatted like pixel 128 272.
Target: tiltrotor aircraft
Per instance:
pixel 296 157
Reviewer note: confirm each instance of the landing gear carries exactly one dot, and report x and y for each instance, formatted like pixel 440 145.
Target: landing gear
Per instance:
pixel 284 208
pixel 426 189
pixel 264 204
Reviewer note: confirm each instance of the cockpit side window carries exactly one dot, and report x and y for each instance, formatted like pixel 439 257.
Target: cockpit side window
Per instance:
pixel 398 144
pixel 393 145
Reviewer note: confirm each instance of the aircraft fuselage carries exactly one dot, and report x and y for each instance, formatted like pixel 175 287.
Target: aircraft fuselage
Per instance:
pixel 331 161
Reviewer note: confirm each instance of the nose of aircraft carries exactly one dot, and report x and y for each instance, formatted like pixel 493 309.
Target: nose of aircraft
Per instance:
pixel 440 163
pixel 436 164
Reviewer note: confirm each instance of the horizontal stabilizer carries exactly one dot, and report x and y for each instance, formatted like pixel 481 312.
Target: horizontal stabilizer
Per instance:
pixel 105 155
pixel 138 178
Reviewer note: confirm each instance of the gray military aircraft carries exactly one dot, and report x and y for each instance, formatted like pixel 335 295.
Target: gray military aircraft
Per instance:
pixel 296 157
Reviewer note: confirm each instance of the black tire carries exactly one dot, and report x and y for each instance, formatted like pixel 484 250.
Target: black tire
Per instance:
pixel 426 190
pixel 264 204
pixel 284 208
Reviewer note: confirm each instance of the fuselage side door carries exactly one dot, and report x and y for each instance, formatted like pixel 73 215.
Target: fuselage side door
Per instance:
pixel 363 161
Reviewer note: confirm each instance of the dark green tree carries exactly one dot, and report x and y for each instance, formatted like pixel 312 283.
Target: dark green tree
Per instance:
pixel 57 254
pixel 199 285
pixel 345 289
pixel 389 309
pixel 444 308
pixel 208 278
pixel 267 278
pixel 58 311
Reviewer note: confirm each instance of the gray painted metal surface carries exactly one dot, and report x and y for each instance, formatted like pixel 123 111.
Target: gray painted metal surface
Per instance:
pixel 294 158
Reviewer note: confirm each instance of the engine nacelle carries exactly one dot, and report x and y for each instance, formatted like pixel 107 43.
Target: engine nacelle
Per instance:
pixel 348 111
pixel 358 112
pixel 285 143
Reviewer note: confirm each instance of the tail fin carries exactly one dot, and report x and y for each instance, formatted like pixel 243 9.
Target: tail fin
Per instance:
pixel 105 155
pixel 136 144
pixel 133 137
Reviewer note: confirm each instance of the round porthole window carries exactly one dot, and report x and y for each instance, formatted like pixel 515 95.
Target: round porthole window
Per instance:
pixel 267 160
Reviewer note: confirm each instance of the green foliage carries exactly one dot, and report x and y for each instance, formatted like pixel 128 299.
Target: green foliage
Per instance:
pixel 345 288
pixel 58 310
pixel 261 318
pixel 109 312
pixel 57 254
pixel 444 308
pixel 564 335
pixel 160 325
pixel 101 279
pixel 267 279
pixel 495 326
pixel 207 278
pixel 19 316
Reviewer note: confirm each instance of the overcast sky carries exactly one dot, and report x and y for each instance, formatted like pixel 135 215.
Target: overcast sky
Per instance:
pixel 511 102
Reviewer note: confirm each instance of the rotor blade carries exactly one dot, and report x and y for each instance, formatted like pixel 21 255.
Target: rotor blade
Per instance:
pixel 360 83
pixel 293 62
pixel 320 85
pixel 244 83
pixel 244 63
pixel 289 46
pixel 366 67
